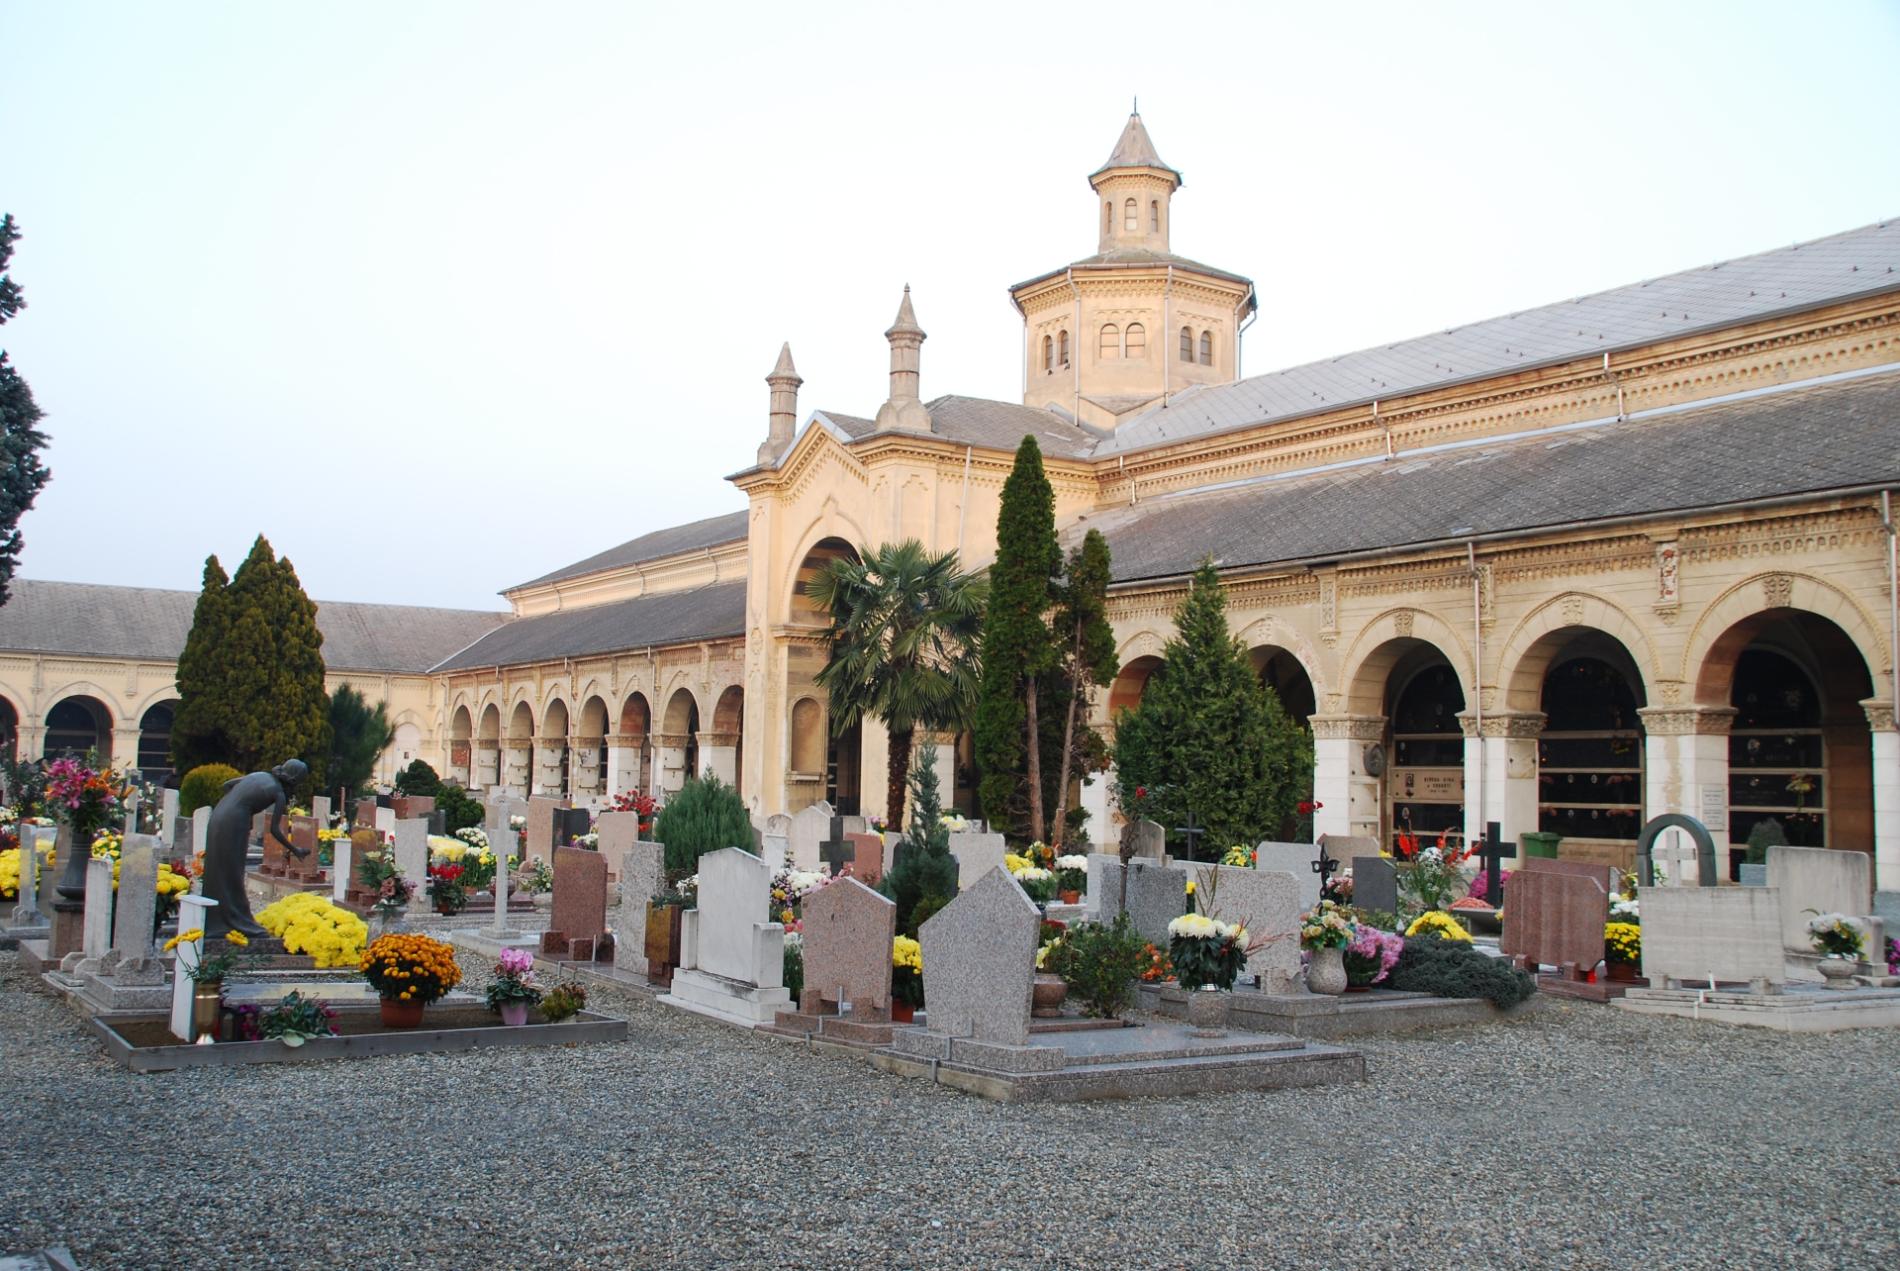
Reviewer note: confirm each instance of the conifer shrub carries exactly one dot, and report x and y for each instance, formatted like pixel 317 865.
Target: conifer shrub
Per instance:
pixel 203 786
pixel 458 808
pixel 419 779
pixel 705 816
pixel 924 878
pixel 1444 968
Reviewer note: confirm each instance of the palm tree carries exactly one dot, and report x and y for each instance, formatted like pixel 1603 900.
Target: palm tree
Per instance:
pixel 904 628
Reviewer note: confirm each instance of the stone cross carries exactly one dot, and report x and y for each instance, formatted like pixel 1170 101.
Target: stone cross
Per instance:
pixel 1192 833
pixel 1491 851
pixel 192 913
pixel 1678 854
pixel 500 839
pixel 132 811
pixel 837 851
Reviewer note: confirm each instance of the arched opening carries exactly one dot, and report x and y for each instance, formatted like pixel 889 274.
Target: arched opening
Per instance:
pixel 1048 355
pixel 1207 348
pixel 405 745
pixel 681 725
pixel 1800 750
pixel 1062 344
pixel 593 734
pixel 1110 346
pixel 461 744
pixel 518 750
pixel 488 749
pixel 554 738
pixel 1125 693
pixel 155 740
pixel 1187 344
pixel 729 723
pixel 844 757
pixel 817 560
pixel 1286 677
pixel 77 725
pixel 636 724
pixel 1131 216
pixel 9 730
pixel 1590 753
pixel 1154 216
pixel 808 738
pixel 1425 780
pixel 1137 340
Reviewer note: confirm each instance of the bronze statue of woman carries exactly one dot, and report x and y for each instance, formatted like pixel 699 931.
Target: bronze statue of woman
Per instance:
pixel 227 843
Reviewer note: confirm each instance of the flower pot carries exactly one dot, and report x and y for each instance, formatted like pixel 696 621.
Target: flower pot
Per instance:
pixel 1047 995
pixel 400 1014
pixel 207 1004
pixel 1207 1008
pixel 1838 972
pixel 1621 972
pixel 514 1014
pixel 903 1013
pixel 663 942
pixel 1069 897
pixel 1326 973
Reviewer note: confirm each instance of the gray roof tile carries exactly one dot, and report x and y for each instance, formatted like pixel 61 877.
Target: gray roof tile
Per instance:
pixel 150 623
pixel 1811 439
pixel 704 613
pixel 979 421
pixel 690 537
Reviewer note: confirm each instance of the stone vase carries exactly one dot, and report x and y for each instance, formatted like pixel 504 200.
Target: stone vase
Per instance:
pixel 1047 996
pixel 1207 1008
pixel 1837 972
pixel 1326 973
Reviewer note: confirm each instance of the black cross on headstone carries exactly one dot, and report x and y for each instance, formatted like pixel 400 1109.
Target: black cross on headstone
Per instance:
pixel 1191 832
pixel 1491 851
pixel 1325 867
pixel 837 851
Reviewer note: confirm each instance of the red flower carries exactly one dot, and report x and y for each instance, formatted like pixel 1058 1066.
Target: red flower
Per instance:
pixel 1141 792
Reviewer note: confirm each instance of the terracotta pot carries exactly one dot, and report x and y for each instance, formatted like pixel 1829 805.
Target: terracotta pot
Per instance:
pixel 1326 973
pixel 207 1008
pixel 400 1014
pixel 1069 897
pixel 1048 994
pixel 514 1014
pixel 903 1013
pixel 1621 972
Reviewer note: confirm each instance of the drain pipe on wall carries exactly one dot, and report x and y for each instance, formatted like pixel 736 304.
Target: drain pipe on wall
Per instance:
pixel 1477 678
pixel 963 503
pixel 1893 594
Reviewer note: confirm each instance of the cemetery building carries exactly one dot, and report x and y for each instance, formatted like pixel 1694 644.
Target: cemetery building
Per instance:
pixel 1564 569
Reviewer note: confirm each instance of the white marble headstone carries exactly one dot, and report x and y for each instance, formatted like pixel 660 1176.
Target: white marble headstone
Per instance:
pixel 191 917
pixel 734 890
pixel 977 852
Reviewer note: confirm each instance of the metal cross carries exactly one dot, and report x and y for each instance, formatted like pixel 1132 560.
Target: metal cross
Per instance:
pixel 1325 867
pixel 1191 832
pixel 1491 851
pixel 837 851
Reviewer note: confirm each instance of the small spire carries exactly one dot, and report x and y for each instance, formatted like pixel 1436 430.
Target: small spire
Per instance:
pixel 1135 149
pixel 906 323
pixel 785 370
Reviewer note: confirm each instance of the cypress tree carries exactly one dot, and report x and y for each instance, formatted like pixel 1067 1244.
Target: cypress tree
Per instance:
pixel 358 734
pixel 1088 662
pixel 706 815
pixel 21 472
pixel 1018 648
pixel 924 870
pixel 1205 739
pixel 198 734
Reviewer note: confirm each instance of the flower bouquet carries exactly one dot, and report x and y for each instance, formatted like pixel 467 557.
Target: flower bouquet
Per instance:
pixel 1836 936
pixel 1370 956
pixel 1325 926
pixel 1038 883
pixel 447 889
pixel 408 972
pixel 1622 943
pixel 379 874
pixel 1155 967
pixel 1435 922
pixel 1072 877
pixel 1239 856
pixel 907 978
pixel 513 989
pixel 1206 951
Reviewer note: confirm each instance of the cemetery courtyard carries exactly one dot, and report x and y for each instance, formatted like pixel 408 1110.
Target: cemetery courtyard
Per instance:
pixel 1562 1135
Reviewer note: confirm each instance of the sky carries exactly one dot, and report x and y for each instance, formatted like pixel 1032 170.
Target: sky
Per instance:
pixel 441 297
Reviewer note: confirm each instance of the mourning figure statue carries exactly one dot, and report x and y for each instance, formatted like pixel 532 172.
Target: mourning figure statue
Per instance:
pixel 227 842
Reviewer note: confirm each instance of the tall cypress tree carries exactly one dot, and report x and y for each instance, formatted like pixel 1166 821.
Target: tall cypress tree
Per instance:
pixel 198 734
pixel 21 472
pixel 1204 739
pixel 1088 662
pixel 1018 648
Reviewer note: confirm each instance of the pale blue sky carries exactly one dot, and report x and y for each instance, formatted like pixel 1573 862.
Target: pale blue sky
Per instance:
pixel 443 296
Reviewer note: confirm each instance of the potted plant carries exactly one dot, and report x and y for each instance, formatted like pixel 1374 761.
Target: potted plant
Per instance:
pixel 1622 950
pixel 1325 931
pixel 296 1019
pixel 907 979
pixel 379 874
pixel 1100 964
pixel 1206 951
pixel 513 990
pixel 208 969
pixel 1841 943
pixel 408 972
pixel 1370 956
pixel 1048 989
pixel 665 913
pixel 564 1001
pixel 1038 883
pixel 447 889
pixel 1072 878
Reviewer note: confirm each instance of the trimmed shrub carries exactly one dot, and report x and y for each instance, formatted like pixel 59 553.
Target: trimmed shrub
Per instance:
pixel 1444 968
pixel 1099 964
pixel 458 809
pixel 202 787
pixel 418 779
pixel 705 816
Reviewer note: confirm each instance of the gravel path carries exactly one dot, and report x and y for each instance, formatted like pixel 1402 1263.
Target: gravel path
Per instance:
pixel 1575 1136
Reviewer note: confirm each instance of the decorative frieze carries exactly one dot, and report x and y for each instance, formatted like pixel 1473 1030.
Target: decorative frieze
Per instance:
pixel 1348 727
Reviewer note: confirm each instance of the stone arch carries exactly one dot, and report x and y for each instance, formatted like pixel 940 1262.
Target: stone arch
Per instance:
pixel 1528 651
pixel 461 723
pixel 808 737
pixel 1383 641
pixel 155 737
pixel 1271 632
pixel 491 721
pixel 554 718
pixel 729 710
pixel 682 712
pixel 1720 632
pixel 636 716
pixel 592 721
pixel 76 723
pixel 1131 682
pixel 521 722
pixel 822 542
pixel 9 728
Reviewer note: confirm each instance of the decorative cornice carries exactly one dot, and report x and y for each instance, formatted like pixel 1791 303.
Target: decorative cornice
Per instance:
pixel 1687 721
pixel 1348 727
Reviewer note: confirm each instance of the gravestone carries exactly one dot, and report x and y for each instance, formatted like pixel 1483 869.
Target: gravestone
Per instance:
pixel 1268 903
pixel 320 809
pixel 579 919
pixel 412 859
pixel 168 813
pixel 570 824
pixel 135 920
pixel 778 823
pixel 642 875
pixel 179 840
pixel 1296 859
pixel 385 819
pixel 541 828
pixel 1693 933
pixel 342 868
pixel 502 843
pixel 1823 880
pixel 27 920
pixel 357 892
pixel 91 956
pixel 363 814
pixel 1701 850
pixel 979 962
pixel 977 852
pixel 775 850
pixel 1157 895
pixel 1556 919
pixel 1375 884
pixel 200 831
pixel 1105 887
pixel 810 827
pixel 848 930
pixel 192 910
pixel 1609 875
pixel 416 806
pixel 734 964
pixel 1151 841
pixel 616 833
pixel 867 857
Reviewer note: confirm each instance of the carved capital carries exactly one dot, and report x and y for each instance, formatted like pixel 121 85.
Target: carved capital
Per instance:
pixel 1880 714
pixel 675 741
pixel 719 739
pixel 1514 724
pixel 1348 727
pixel 1687 721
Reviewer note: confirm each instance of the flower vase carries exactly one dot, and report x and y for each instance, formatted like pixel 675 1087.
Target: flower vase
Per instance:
pixel 207 1004
pixel 514 1014
pixel 1047 996
pixel 400 1014
pixel 1326 973
pixel 903 1013
pixel 1207 1008
pixel 1838 972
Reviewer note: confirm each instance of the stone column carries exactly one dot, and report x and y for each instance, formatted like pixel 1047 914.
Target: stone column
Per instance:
pixel 125 747
pixel 583 767
pixel 720 752
pixel 1685 762
pixel 1510 774
pixel 487 764
pixel 1348 796
pixel 669 761
pixel 1880 718
pixel 624 753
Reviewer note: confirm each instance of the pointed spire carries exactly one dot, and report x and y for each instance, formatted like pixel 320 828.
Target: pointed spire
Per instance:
pixel 782 417
pixel 906 323
pixel 1134 149
pixel 785 370
pixel 903 409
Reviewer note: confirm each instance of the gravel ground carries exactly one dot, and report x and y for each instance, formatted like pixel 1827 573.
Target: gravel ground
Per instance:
pixel 1574 1136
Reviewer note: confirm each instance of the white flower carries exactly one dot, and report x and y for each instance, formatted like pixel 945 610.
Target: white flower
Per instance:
pixel 1072 862
pixel 1033 874
pixel 1201 927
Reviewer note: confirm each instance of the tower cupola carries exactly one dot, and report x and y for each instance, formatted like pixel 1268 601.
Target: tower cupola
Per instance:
pixel 1134 188
pixel 782 418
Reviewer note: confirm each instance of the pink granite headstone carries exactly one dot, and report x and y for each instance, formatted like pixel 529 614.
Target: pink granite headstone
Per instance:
pixel 867 863
pixel 579 920
pixel 848 930
pixel 1555 919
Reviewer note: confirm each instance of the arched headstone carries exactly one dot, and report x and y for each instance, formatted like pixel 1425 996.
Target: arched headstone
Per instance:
pixel 1705 847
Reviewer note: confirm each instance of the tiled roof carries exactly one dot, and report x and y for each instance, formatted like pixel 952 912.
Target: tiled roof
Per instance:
pixel 149 623
pixel 1134 149
pixel 978 421
pixel 691 537
pixel 673 617
pixel 1827 270
pixel 1811 439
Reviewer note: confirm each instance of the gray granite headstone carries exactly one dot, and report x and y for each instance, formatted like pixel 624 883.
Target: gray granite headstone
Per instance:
pixel 412 857
pixel 1296 859
pixel 1267 902
pixel 168 811
pixel 1375 884
pixel 642 875
pixel 980 960
pixel 1151 841
pixel 1157 895
pixel 1105 886
pixel 977 853
pixel 91 958
pixel 136 913
pixel 320 810
pixel 200 831
pixel 35 842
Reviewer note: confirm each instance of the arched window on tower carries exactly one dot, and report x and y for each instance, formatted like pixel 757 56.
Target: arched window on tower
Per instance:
pixel 1111 342
pixel 1131 216
pixel 1154 216
pixel 1137 340
pixel 1048 355
pixel 1207 348
pixel 1062 346
pixel 1187 344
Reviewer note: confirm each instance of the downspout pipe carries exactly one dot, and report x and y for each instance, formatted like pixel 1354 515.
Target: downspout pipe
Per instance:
pixel 1075 354
pixel 963 503
pixel 1477 675
pixel 1893 593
